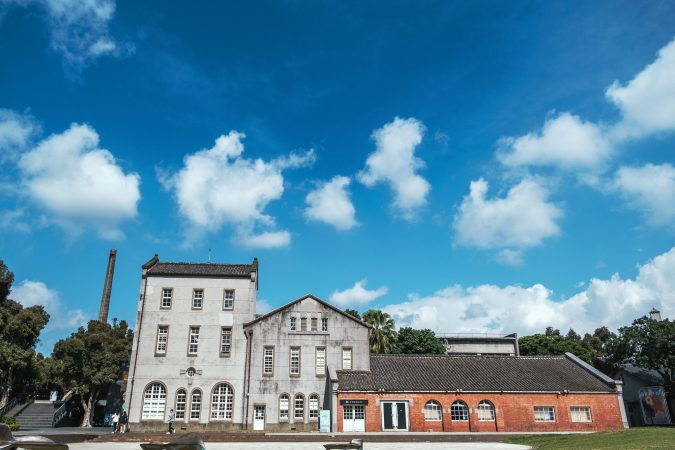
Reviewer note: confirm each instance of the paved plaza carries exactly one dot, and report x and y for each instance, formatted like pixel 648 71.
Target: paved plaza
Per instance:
pixel 316 446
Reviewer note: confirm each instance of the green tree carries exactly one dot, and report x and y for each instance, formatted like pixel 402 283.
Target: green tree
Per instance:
pixel 383 333
pixel 91 359
pixel 353 312
pixel 19 332
pixel 419 342
pixel 650 344
pixel 552 343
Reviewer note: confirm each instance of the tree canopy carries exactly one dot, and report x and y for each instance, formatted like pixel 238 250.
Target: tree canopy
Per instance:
pixel 20 329
pixel 383 334
pixel 419 342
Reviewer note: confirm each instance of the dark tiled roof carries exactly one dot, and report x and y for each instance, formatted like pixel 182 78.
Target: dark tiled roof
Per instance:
pixel 201 269
pixel 429 373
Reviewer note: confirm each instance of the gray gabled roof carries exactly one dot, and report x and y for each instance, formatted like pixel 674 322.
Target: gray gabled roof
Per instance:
pixel 156 268
pixel 447 373
pixel 297 300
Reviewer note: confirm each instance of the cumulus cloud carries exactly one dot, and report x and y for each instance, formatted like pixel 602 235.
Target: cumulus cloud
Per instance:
pixel 218 186
pixel 79 29
pixel 613 302
pixel 647 102
pixel 31 293
pixel 357 295
pixel 78 183
pixel 521 219
pixel 565 142
pixel 650 189
pixel 16 132
pixel 394 162
pixel 330 203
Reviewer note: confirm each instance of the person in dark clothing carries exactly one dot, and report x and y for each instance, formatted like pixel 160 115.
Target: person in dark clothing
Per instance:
pixel 124 418
pixel 172 417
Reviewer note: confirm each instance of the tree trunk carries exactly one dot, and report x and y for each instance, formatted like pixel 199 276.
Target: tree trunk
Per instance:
pixel 4 399
pixel 86 422
pixel 6 393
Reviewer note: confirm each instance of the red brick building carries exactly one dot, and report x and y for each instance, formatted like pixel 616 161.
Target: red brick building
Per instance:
pixel 477 393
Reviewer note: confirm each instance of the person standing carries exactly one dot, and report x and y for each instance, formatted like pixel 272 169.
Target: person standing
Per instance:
pixel 115 420
pixel 124 418
pixel 172 417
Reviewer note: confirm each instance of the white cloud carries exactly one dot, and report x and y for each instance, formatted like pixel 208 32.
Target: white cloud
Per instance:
pixel 565 142
pixel 647 102
pixel 78 183
pixel 649 189
pixel 31 293
pixel 219 186
pixel 262 306
pixel 613 302
pixel 394 162
pixel 16 131
pixel 524 218
pixel 357 295
pixel 330 203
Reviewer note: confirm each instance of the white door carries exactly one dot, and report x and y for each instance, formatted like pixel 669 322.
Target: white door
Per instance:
pixel 354 418
pixel 259 418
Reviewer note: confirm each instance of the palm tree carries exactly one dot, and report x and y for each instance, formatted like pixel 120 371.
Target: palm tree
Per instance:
pixel 383 334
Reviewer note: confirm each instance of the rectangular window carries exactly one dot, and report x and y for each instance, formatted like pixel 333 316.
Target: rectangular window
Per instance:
pixel 180 405
pixel 303 324
pixel 268 361
pixel 283 407
pixel 193 343
pixel 314 324
pixel 313 407
pixel 295 361
pixel 581 414
pixel 294 324
pixel 346 359
pixel 167 295
pixel 195 405
pixel 197 298
pixel 299 408
pixel 544 414
pixel 225 341
pixel 162 339
pixel 324 324
pixel 228 299
pixel 320 361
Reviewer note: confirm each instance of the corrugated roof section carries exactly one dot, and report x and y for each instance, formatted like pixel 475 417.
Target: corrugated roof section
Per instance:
pixel 428 373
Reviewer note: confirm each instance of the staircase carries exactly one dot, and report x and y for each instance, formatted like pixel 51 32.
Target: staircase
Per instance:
pixel 38 414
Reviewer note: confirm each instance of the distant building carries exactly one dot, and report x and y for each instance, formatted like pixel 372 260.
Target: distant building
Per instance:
pixel 480 344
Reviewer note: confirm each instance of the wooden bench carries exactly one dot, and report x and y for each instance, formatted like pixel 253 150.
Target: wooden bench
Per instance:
pixel 355 444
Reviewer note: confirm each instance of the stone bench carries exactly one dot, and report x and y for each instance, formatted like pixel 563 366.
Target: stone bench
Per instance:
pixel 355 444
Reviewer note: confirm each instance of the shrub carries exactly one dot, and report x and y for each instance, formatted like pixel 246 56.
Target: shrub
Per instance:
pixel 10 422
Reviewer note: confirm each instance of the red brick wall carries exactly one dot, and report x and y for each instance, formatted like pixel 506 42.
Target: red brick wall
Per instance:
pixel 514 412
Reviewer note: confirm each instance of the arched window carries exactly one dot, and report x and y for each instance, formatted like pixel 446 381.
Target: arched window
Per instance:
pixel 195 404
pixel 221 402
pixel 459 411
pixel 486 411
pixel 181 398
pixel 313 406
pixel 299 408
pixel 154 402
pixel 433 410
pixel 284 400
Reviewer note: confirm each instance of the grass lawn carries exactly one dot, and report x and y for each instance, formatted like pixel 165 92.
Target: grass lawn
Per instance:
pixel 634 438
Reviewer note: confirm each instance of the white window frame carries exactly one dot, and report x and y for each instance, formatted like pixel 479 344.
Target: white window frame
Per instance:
pixel 320 361
pixel 222 402
pixel 459 411
pixel 225 341
pixel 299 399
pixel 228 301
pixel 294 361
pixel 197 298
pixel 314 407
pixel 196 406
pixel 154 402
pixel 181 403
pixel 284 405
pixel 544 414
pixel 581 414
pixel 324 324
pixel 167 298
pixel 268 360
pixel 293 325
pixel 433 411
pixel 162 343
pixel 193 341
pixel 486 411
pixel 347 358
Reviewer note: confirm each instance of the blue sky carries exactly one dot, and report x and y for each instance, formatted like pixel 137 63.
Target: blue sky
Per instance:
pixel 476 166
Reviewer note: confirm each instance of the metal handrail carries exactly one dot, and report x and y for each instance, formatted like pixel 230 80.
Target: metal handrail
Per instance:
pixel 62 410
pixel 11 404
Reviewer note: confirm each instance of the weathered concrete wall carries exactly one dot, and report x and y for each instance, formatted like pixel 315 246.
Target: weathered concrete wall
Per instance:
pixel 343 332
pixel 147 367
